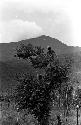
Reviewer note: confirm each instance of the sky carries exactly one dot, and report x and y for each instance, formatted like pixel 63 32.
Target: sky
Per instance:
pixel 24 19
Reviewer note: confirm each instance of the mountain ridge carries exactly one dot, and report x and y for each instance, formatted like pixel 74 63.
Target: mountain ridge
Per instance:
pixel 8 50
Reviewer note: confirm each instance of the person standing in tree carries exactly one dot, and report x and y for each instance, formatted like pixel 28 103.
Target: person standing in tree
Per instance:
pixel 51 55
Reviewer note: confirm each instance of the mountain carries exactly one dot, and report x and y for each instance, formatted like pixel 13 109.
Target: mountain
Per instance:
pixel 8 50
pixel 10 65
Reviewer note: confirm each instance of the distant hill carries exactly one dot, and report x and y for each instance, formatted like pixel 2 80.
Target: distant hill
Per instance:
pixel 9 70
pixel 10 65
pixel 7 50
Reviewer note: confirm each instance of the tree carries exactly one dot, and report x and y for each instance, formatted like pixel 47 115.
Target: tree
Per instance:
pixel 34 93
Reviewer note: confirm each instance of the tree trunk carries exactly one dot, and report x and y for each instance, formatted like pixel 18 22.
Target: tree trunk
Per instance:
pixel 44 121
pixel 59 101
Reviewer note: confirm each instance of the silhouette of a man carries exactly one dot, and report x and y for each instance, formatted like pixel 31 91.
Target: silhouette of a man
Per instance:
pixel 51 56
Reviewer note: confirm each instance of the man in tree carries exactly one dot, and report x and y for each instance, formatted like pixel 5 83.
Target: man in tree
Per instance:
pixel 51 54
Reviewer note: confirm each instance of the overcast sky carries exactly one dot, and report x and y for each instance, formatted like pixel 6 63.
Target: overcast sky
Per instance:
pixel 22 19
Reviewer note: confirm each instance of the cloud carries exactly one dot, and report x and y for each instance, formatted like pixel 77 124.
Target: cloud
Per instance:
pixel 47 15
pixel 0 39
pixel 11 8
pixel 15 30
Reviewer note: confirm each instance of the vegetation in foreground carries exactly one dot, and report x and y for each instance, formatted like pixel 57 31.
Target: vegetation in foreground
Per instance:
pixel 35 94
